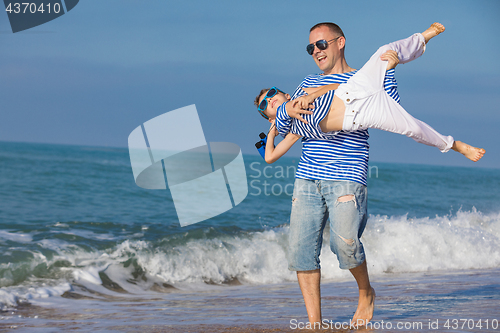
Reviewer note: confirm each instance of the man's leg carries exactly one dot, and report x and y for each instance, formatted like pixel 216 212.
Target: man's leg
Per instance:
pixel 366 301
pixel 307 222
pixel 309 282
pixel 347 204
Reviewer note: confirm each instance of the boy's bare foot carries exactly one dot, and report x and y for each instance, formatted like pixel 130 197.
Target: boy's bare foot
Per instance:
pixel 472 153
pixel 364 312
pixel 434 30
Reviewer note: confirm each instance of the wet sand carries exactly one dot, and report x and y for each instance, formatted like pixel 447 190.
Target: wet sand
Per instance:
pixel 408 299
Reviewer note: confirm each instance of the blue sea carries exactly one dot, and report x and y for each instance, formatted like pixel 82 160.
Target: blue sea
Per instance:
pixel 84 248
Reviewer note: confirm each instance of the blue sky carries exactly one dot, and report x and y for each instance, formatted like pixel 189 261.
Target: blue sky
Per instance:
pixel 93 75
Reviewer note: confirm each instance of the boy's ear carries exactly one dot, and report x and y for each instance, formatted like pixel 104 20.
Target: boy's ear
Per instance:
pixel 288 97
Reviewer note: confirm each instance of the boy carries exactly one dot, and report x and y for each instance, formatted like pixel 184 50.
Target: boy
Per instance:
pixel 359 104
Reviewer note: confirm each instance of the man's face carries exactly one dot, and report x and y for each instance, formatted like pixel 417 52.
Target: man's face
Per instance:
pixel 273 103
pixel 326 59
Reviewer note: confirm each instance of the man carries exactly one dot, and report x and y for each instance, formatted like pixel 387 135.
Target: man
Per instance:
pixel 330 182
pixel 360 103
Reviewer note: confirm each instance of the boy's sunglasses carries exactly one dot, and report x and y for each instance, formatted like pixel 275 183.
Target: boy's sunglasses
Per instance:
pixel 263 105
pixel 320 44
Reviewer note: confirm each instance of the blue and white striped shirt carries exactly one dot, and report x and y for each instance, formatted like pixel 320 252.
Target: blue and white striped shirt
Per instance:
pixel 334 155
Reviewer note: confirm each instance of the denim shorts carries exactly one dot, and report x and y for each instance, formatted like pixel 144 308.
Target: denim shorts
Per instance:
pixel 313 202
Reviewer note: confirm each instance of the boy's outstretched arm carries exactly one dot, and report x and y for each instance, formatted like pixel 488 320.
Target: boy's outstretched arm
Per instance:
pixel 272 153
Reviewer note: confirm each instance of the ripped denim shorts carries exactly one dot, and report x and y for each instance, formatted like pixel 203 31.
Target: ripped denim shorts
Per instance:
pixel 345 202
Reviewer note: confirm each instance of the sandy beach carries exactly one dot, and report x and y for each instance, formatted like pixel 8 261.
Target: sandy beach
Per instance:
pixel 405 302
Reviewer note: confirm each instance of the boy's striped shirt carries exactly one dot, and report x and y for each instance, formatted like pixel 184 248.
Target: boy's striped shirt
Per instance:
pixel 334 155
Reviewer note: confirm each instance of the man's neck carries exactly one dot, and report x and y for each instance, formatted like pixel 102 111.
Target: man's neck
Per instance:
pixel 341 68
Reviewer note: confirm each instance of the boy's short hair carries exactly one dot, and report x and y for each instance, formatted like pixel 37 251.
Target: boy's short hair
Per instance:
pixel 263 92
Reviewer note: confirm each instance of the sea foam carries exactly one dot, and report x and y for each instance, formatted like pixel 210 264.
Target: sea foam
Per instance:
pixel 393 244
pixel 465 240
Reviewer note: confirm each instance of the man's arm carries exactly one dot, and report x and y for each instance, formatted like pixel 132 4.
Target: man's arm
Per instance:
pixel 306 101
pixel 391 57
pixel 272 153
pixel 390 84
pixel 286 111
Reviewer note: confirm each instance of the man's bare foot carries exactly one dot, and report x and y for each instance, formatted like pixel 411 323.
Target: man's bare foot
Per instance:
pixel 364 312
pixel 434 30
pixel 472 153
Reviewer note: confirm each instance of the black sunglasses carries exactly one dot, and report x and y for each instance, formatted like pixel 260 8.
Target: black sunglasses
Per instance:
pixel 320 44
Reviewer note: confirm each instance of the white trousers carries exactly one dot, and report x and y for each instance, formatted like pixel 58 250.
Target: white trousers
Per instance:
pixel 367 105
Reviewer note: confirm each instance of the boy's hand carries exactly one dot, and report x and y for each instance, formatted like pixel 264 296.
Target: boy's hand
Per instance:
pixel 304 102
pixel 391 57
pixel 273 130
pixel 295 111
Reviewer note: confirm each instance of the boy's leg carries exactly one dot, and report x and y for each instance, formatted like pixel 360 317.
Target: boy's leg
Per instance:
pixel 380 111
pixel 370 78
pixel 434 30
pixel 359 92
pixel 472 153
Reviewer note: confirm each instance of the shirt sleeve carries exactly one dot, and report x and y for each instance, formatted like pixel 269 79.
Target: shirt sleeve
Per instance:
pixel 390 84
pixel 283 120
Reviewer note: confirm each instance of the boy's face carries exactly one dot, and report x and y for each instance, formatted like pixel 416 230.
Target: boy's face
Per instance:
pixel 273 103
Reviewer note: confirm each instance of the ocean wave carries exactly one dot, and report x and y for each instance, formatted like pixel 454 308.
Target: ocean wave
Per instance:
pixel 12 297
pixel 18 237
pixel 465 240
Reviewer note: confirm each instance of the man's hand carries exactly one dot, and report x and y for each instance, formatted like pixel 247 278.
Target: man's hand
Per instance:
pixel 391 57
pixel 294 110
pixel 310 91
